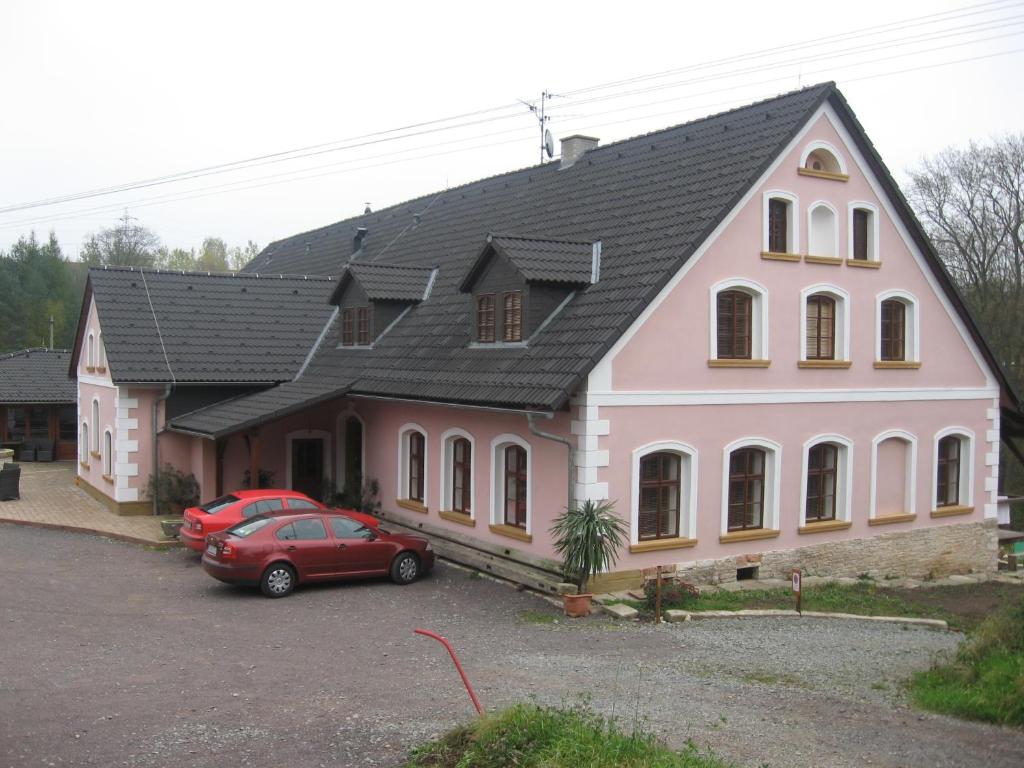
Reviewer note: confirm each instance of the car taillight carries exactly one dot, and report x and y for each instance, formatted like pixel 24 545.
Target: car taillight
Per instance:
pixel 197 526
pixel 227 551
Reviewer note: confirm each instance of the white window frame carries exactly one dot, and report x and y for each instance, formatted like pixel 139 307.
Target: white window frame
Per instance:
pixel 874 249
pixel 688 474
pixel 108 449
pixel 498 445
pixel 90 351
pixel 403 461
pixel 816 145
pixel 307 434
pixel 446 485
pixel 844 474
pixel 84 443
pixel 912 353
pixel 96 425
pixel 843 324
pixel 758 316
pixel 835 228
pixel 772 480
pixel 909 472
pixel 792 219
pixel 966 480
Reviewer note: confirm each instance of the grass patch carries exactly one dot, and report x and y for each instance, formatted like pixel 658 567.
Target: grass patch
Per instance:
pixel 769 678
pixel 538 617
pixel 530 736
pixel 986 679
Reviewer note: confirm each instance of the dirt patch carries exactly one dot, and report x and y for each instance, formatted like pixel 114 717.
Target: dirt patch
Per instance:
pixel 964 606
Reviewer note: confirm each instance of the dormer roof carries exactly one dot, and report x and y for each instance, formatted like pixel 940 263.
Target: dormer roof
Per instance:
pixel 537 259
pixel 386 282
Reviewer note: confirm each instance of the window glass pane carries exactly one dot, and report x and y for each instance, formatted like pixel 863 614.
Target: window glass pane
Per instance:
pixel 346 528
pixel 215 506
pixel 16 423
pixel 67 420
pixel 301 504
pixel 269 506
pixel 39 421
pixel 309 530
pixel 250 510
pixel 286 533
pixel 251 526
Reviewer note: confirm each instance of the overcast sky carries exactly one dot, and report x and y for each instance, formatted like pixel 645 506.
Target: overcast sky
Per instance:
pixel 98 94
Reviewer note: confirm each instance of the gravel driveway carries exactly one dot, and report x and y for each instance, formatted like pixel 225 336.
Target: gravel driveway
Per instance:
pixel 113 655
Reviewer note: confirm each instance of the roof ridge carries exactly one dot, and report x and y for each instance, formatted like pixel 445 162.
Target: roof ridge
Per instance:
pixel 198 273
pixel 532 239
pixel 30 350
pixel 386 265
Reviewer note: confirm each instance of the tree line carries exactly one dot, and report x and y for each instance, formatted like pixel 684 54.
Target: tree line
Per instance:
pixel 37 281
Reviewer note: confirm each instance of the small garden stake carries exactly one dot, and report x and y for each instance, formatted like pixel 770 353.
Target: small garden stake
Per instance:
pixel 458 666
pixel 797 589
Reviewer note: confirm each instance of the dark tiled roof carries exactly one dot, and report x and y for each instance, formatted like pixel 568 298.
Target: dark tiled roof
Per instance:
pixel 214 328
pixel 36 376
pixel 650 200
pixel 539 259
pixel 386 282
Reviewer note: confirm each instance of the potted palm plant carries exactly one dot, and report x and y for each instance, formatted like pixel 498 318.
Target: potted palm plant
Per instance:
pixel 588 537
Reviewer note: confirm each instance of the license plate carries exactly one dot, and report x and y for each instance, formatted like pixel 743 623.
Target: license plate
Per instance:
pixel 211 549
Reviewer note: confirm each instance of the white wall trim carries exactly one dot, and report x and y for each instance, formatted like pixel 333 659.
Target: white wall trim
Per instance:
pixel 303 434
pixel 909 472
pixel 772 480
pixel 688 479
pixel 844 474
pixel 497 463
pixel 339 431
pixel 759 317
pixel 874 244
pixel 912 331
pixel 834 247
pixel 447 464
pixel 792 218
pixel 402 491
pixel 768 396
pixel 828 148
pixel 966 479
pixel 843 324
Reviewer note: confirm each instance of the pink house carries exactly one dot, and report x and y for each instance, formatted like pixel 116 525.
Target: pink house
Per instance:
pixel 735 329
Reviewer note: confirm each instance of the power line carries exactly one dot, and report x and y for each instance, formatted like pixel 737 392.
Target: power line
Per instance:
pixel 438 124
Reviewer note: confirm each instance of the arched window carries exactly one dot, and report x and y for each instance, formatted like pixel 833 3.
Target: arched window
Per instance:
pixel 417 454
pixel 821 327
pixel 84 450
pixel 412 468
pixel 822 482
pixel 780 233
pixel 893 330
pixel 108 454
pixel 96 426
pixel 739 324
pixel 746 488
pixel 462 469
pixel 953 471
pixel 90 353
pixel 863 227
pixel 515 486
pixel 735 325
pixel 823 232
pixel 893 491
pixel 820 158
pixel 659 497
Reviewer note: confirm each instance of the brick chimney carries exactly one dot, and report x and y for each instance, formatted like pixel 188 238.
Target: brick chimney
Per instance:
pixel 573 148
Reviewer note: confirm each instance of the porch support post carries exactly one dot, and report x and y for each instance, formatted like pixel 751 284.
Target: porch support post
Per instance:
pixel 254 459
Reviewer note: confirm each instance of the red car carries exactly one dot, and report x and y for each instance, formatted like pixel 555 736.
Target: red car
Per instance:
pixel 226 511
pixel 278 552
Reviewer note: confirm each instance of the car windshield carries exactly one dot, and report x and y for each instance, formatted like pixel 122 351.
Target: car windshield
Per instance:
pixel 215 506
pixel 249 527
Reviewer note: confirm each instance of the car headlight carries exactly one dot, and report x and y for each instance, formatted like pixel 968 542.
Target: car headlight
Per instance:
pixel 428 548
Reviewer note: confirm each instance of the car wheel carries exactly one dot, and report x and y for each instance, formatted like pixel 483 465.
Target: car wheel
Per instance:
pixel 278 580
pixel 405 569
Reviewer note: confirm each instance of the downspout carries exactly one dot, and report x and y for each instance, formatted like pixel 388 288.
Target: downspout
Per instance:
pixel 156 456
pixel 571 497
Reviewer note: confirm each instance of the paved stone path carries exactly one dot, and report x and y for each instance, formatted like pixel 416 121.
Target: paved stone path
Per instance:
pixel 50 498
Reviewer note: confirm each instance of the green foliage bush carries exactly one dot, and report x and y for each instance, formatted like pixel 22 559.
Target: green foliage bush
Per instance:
pixel 674 594
pixel 173 490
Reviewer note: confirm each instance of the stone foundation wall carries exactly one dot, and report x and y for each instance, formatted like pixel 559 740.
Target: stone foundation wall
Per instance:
pixel 922 553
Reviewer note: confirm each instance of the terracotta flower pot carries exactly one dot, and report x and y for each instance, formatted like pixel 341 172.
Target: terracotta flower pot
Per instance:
pixel 577 606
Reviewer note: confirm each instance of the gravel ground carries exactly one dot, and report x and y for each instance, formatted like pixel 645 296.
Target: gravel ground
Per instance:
pixel 113 655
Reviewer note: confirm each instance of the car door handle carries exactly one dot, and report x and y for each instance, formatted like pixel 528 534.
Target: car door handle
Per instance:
pixel 342 546
pixel 291 548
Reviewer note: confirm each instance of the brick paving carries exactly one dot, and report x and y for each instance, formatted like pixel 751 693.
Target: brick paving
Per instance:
pixel 50 499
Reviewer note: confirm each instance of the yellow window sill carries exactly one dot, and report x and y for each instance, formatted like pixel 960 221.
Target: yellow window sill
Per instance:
pixel 887 519
pixel 823 364
pixel 100 369
pixel 512 532
pixel 864 263
pixel 751 535
pixel 826 525
pixel 108 478
pixel 772 256
pixel 412 506
pixel 457 517
pixel 83 465
pixel 822 174
pixel 952 511
pixel 656 545
pixel 897 365
pixel 90 369
pixel 739 363
pixel 95 455
pixel 833 260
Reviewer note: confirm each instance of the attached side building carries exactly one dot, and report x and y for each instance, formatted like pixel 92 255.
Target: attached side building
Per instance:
pixel 38 400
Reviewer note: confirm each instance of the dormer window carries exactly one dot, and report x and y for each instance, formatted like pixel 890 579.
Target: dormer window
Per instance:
pixel 512 316
pixel 373 297
pixel 362 325
pixel 518 283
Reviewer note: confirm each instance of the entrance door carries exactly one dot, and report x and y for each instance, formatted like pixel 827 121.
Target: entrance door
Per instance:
pixel 353 462
pixel 308 467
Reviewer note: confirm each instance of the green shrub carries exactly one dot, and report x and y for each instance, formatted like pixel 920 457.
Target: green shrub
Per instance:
pixel 674 594
pixel 266 479
pixel 173 490
pixel 530 736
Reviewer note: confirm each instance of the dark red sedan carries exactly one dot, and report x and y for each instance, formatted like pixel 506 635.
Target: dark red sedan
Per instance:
pixel 277 553
pixel 220 514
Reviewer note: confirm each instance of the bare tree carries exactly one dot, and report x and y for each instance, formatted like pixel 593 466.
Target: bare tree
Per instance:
pixel 130 245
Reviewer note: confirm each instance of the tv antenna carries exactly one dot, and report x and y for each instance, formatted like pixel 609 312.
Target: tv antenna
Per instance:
pixel 547 143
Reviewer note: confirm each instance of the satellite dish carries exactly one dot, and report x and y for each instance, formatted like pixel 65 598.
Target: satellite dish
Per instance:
pixel 549 144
